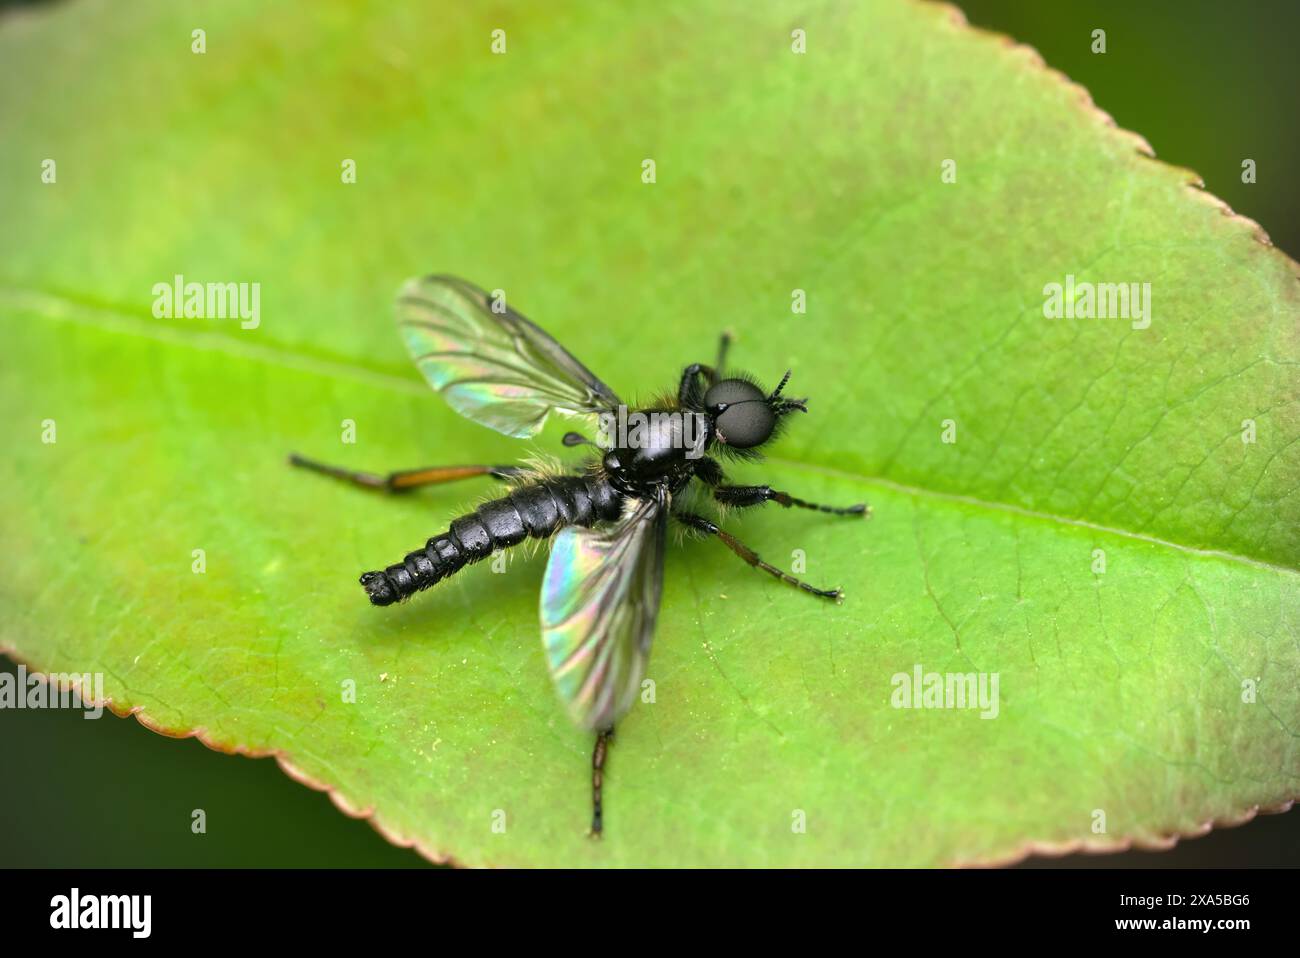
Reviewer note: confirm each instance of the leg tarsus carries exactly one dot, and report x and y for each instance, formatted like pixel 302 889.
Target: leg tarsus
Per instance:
pixel 368 479
pixel 598 754
pixel 724 343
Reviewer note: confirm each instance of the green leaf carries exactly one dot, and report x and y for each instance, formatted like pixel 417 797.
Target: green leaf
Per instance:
pixel 1160 693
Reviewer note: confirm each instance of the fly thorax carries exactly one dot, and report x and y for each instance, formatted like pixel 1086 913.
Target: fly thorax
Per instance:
pixel 656 442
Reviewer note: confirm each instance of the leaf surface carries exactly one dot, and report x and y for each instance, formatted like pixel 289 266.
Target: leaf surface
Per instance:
pixel 1160 693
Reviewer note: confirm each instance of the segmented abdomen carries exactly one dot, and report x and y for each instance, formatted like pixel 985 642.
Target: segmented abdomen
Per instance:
pixel 536 510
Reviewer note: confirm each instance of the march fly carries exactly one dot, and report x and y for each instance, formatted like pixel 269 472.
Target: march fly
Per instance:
pixel 607 517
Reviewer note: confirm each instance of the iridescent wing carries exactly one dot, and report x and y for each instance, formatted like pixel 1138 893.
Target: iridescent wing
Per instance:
pixel 490 363
pixel 599 603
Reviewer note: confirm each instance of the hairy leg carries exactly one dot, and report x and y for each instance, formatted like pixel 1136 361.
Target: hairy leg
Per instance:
pixel 708 527
pixel 406 479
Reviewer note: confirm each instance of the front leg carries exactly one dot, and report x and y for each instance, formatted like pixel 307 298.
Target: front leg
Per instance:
pixel 742 496
pixel 689 393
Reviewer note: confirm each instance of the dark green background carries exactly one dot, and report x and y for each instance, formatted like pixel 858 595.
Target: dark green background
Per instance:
pixel 1208 84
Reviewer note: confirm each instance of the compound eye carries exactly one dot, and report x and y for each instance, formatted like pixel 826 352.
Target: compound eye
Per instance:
pixel 729 392
pixel 746 424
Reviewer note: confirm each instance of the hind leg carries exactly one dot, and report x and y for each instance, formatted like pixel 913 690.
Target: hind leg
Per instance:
pixel 598 754
pixel 406 479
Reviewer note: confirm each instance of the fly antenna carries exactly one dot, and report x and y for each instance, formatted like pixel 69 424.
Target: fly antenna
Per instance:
pixel 782 406
pixel 779 386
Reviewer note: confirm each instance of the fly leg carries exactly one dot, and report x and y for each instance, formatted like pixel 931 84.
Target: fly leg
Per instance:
pixel 406 479
pixel 701 524
pixel 708 471
pixel 689 393
pixel 742 496
pixel 724 343
pixel 598 779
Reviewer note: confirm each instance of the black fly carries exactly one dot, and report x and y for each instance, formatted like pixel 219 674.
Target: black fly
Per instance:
pixel 600 594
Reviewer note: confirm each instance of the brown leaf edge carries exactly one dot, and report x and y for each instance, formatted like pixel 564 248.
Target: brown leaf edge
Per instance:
pixel 369 813
pixel 956 19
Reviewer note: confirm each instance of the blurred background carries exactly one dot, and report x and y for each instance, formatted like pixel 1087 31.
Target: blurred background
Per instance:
pixel 1207 83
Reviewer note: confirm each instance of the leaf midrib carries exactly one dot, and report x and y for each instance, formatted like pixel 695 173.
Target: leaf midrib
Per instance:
pixel 57 308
